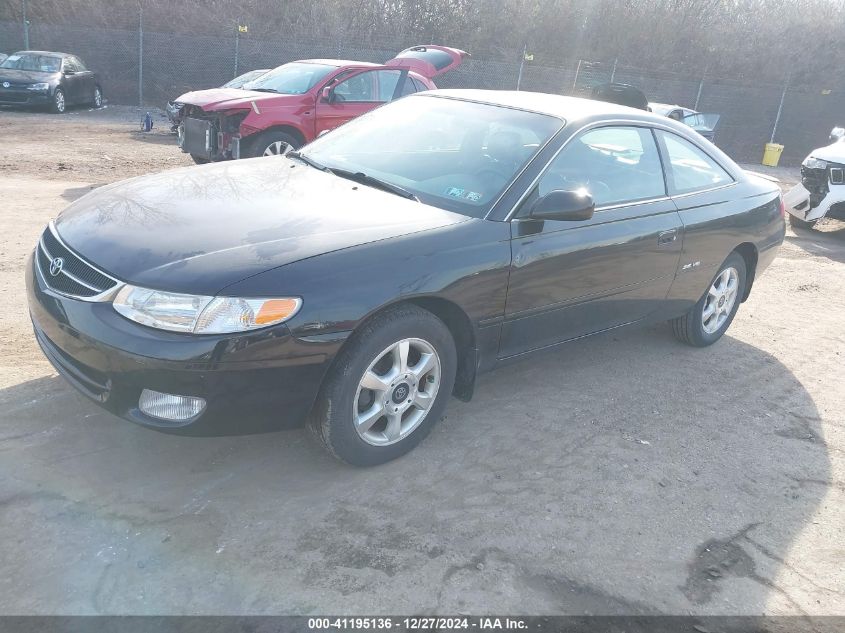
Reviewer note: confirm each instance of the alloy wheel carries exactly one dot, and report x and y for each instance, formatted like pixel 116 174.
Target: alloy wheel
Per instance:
pixel 98 98
pixel 277 147
pixel 60 101
pixel 720 300
pixel 396 392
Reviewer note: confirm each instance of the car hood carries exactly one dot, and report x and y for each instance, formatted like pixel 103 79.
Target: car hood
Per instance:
pixel 226 98
pixel 200 229
pixel 834 153
pixel 25 76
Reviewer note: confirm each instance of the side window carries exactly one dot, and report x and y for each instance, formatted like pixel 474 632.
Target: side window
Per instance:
pixel 419 86
pixel 615 164
pixel 70 65
pixel 79 65
pixel 387 80
pixel 360 87
pixel 690 169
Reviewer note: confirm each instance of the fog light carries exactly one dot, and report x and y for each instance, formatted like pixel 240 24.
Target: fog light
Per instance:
pixel 165 406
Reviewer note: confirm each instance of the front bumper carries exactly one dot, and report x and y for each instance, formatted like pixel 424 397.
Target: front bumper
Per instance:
pixel 804 205
pixel 251 382
pixel 24 98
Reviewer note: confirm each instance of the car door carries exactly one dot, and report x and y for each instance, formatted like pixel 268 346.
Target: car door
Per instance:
pixel 72 81
pixel 87 81
pixel 569 279
pixel 355 95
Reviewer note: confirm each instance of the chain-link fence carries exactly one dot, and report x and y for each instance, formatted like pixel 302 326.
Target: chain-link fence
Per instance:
pixel 140 66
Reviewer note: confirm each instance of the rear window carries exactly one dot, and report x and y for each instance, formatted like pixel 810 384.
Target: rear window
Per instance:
pixel 438 59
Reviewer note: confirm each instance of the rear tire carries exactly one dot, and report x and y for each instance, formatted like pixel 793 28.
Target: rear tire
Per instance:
pixel 711 316
pixel 271 143
pixel 354 417
pixel 798 223
pixel 199 160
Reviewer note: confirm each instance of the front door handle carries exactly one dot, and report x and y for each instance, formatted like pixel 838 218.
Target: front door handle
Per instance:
pixel 667 237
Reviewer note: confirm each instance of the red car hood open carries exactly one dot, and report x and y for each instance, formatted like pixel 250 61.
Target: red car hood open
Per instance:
pixel 226 98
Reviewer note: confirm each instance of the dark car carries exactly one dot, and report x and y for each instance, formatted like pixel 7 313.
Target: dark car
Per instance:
pixel 174 108
pixel 621 94
pixel 361 282
pixel 44 78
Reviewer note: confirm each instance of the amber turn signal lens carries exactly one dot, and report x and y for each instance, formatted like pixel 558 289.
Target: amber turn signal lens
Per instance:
pixel 276 310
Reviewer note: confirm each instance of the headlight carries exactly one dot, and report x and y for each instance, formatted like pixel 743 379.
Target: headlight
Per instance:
pixel 199 314
pixel 814 163
pixel 40 87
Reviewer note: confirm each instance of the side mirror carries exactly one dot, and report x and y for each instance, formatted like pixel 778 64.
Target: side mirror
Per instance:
pixel 68 73
pixel 569 206
pixel 326 95
pixel 837 133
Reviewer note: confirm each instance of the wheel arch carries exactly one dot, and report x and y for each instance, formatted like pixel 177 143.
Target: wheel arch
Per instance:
pixel 749 254
pixel 459 325
pixel 286 128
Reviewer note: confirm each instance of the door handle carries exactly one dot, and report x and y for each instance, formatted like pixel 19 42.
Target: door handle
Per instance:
pixel 667 237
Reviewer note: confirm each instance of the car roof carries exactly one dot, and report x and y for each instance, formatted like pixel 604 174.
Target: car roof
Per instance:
pixel 567 108
pixel 53 53
pixel 336 62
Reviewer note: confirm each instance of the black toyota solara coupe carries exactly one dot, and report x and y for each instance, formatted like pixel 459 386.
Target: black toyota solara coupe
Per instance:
pixel 361 282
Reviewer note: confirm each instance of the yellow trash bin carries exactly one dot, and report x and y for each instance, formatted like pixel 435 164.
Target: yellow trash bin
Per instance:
pixel 771 155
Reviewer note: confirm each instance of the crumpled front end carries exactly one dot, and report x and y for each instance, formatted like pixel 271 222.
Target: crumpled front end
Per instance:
pixel 211 136
pixel 820 194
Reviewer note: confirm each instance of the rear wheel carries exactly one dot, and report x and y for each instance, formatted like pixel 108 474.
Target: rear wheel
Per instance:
pixel 388 387
pixel 273 143
pixel 59 105
pixel 798 223
pixel 713 313
pixel 199 160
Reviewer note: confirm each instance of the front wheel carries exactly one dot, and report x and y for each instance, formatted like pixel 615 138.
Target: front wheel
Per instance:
pixel 97 97
pixel 199 160
pixel 711 316
pixel 273 143
pixel 59 104
pixel 388 387
pixel 798 223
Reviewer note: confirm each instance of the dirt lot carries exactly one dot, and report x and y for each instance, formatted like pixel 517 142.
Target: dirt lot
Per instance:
pixel 623 474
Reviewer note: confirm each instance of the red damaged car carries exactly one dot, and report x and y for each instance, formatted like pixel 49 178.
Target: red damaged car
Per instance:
pixel 293 104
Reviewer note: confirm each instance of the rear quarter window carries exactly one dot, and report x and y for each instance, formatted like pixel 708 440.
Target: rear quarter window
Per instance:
pixel 690 168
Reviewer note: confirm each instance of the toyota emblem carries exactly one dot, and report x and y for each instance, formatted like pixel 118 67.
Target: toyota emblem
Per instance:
pixel 6 84
pixel 56 266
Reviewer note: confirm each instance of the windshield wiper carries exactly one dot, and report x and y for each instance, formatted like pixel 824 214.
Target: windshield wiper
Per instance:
pixel 263 90
pixel 308 161
pixel 364 179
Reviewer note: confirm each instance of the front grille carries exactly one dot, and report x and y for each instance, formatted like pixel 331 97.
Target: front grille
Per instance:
pixel 76 277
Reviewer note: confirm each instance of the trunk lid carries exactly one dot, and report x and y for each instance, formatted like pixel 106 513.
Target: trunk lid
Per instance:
pixel 429 61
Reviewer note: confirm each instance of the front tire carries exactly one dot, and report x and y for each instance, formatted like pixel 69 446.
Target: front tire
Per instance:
pixel 59 103
pixel 97 98
pixel 387 388
pixel 710 317
pixel 798 223
pixel 199 160
pixel 273 143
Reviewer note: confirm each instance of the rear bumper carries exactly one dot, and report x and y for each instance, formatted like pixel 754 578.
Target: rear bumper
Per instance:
pixel 251 383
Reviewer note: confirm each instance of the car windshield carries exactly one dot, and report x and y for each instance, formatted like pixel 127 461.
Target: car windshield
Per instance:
pixel 456 155
pixel 33 62
pixel 240 80
pixel 291 79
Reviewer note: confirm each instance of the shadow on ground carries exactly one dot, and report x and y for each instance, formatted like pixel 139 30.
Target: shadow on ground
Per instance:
pixel 826 241
pixel 626 474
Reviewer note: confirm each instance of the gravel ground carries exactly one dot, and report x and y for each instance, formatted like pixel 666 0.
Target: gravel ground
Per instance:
pixel 623 474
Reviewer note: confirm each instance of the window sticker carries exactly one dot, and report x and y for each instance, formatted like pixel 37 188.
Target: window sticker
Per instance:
pixel 474 196
pixel 454 192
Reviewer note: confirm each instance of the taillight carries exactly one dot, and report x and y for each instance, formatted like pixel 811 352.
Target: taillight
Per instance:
pixel 782 207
